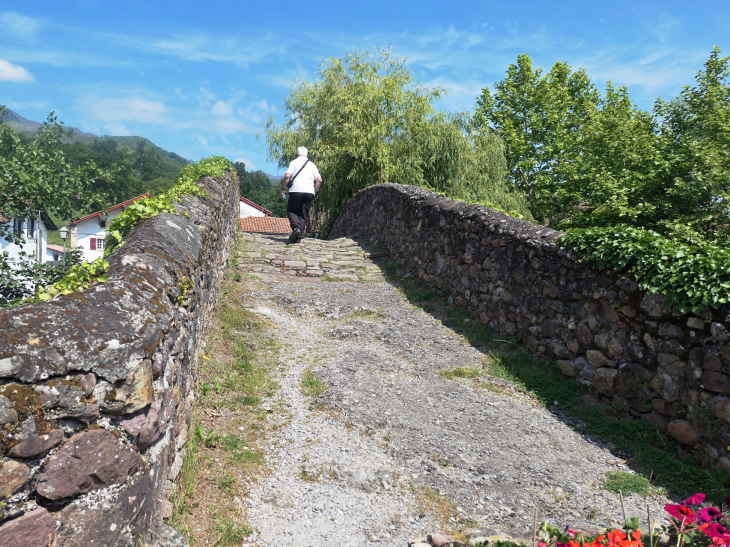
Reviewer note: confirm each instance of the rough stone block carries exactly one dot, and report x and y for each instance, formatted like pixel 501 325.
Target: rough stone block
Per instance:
pixel 13 476
pixel 32 446
pixel 715 381
pixel 34 529
pixel 88 461
pixel 567 368
pixel 695 323
pixel 157 419
pixel 8 414
pixel 683 432
pixel 604 380
pixel 719 333
pixel 135 393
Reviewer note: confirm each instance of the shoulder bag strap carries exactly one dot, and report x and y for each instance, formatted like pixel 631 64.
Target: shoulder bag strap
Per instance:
pixel 291 180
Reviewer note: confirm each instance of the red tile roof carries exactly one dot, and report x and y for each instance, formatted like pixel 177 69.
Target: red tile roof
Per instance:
pixel 3 220
pixel 252 204
pixel 266 225
pixel 57 248
pixel 110 209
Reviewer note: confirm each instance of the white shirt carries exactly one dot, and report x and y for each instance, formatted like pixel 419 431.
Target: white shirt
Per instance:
pixel 305 179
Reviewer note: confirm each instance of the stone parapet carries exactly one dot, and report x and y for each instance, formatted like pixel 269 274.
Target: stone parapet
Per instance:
pixel 667 368
pixel 96 387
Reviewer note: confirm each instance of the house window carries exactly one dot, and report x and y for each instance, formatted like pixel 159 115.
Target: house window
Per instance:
pixel 31 227
pixel 102 223
pixel 100 244
pixel 17 227
pixel 92 244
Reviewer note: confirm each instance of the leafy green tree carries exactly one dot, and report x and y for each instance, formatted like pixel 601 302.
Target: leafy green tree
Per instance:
pixel 693 194
pixel 539 118
pixel 35 175
pixel 612 177
pixel 366 120
pixel 586 159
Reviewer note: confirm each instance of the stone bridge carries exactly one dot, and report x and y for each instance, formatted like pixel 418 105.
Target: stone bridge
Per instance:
pixel 96 387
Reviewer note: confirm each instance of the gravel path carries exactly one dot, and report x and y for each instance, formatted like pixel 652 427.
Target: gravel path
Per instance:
pixel 389 424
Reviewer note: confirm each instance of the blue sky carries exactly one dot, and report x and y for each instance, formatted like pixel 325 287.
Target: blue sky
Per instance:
pixel 199 78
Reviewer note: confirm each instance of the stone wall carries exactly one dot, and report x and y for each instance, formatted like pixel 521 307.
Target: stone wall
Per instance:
pixel 96 387
pixel 664 367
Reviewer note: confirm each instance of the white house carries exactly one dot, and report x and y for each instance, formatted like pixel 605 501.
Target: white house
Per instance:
pixel 54 253
pixel 34 233
pixel 248 208
pixel 89 233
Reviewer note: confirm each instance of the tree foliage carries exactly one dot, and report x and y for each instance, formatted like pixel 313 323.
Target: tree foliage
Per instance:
pixel 587 159
pixel 366 120
pixel 36 176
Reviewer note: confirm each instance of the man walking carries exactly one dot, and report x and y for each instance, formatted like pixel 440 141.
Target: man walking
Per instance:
pixel 306 181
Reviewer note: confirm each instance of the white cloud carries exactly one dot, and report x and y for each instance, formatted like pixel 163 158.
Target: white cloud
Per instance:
pixel 19 25
pixel 247 162
pixel 222 108
pixel 13 73
pixel 128 109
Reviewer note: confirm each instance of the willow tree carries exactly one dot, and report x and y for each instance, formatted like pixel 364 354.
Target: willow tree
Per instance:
pixel 367 120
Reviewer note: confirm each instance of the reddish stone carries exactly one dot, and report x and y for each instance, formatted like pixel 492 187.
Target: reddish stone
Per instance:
pixel 134 423
pixel 157 419
pixel 88 461
pixel 125 514
pixel 13 476
pixel 33 446
pixel 34 529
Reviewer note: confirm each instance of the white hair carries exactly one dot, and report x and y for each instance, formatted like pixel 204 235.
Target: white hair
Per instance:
pixel 302 151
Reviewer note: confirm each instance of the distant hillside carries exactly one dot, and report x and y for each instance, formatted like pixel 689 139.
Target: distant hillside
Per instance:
pixel 25 126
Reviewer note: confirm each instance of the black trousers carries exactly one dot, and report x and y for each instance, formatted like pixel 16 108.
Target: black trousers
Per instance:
pixel 298 209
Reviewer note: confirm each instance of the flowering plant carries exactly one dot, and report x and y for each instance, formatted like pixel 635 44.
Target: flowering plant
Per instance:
pixel 694 526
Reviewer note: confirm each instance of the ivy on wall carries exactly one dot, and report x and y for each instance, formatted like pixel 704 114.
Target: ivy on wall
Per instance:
pixel 82 275
pixel 694 277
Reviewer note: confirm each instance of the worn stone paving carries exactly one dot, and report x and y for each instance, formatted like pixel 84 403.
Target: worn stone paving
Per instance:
pixel 390 428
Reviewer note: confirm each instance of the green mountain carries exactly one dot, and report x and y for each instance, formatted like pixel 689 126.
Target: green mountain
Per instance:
pixel 142 165
pixel 27 127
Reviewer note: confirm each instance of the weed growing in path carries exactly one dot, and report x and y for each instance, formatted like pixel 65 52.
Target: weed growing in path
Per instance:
pixel 311 385
pixel 625 483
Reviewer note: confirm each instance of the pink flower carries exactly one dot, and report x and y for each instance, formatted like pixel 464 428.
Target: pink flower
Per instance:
pixel 694 500
pixel 708 514
pixel 714 530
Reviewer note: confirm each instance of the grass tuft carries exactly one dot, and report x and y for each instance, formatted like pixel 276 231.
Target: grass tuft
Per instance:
pixel 312 386
pixel 625 483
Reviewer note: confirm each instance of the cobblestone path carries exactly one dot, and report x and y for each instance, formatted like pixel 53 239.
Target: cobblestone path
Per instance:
pixel 391 446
